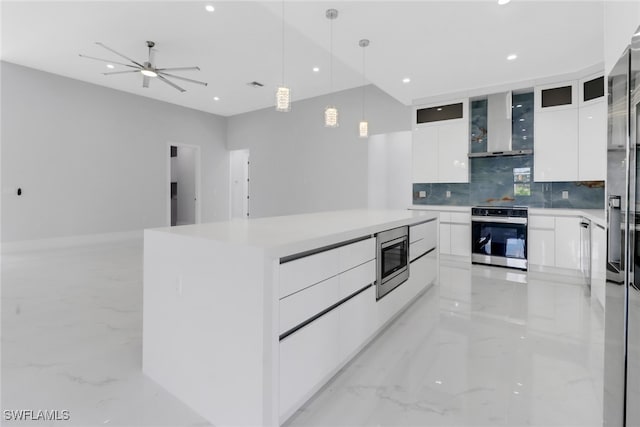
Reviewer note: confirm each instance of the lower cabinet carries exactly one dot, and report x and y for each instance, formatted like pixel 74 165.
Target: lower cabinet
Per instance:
pixel 568 243
pixel 455 233
pixel 310 355
pixel 542 247
pixel 307 357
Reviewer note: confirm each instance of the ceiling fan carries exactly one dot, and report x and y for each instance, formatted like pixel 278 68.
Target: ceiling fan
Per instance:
pixel 148 68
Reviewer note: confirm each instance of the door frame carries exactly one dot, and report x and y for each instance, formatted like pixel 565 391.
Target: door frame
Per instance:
pixel 197 180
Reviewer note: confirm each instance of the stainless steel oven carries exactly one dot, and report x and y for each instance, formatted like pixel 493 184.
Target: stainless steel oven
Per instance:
pixel 392 260
pixel 499 236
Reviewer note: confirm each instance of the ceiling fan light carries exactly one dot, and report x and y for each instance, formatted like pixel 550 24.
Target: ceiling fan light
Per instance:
pixel 331 117
pixel 283 99
pixel 364 129
pixel 149 73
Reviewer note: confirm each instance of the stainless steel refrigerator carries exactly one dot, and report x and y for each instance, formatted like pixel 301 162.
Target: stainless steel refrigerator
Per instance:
pixel 622 306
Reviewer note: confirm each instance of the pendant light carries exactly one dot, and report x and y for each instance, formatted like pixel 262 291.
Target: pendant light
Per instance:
pixel 331 112
pixel 283 93
pixel 364 125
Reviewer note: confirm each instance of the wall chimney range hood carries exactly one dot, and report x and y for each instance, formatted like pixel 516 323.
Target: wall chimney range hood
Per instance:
pixel 499 127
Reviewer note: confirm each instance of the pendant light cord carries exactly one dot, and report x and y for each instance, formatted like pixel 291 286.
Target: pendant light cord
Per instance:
pixel 363 81
pixel 282 42
pixel 331 56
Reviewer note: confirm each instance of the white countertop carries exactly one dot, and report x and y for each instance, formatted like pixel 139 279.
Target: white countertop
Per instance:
pixel 595 215
pixel 286 235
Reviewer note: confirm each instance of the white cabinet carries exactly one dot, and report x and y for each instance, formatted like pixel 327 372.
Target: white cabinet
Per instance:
pixel 592 148
pixel 307 358
pixel 598 263
pixel 542 247
pixel 453 147
pixel 570 131
pixel 440 150
pixel 568 244
pixel 424 156
pixel 556 145
pixel 555 241
pixel 455 233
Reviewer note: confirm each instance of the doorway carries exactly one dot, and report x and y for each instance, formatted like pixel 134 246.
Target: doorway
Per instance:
pixel 184 184
pixel 239 184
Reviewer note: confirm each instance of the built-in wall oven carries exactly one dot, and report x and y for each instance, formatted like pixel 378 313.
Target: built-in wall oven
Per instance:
pixel 392 260
pixel 499 236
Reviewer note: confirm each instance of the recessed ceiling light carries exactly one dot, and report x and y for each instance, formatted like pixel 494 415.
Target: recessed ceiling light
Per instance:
pixel 215 98
pixel 110 66
pixel 406 80
pixel 512 57
pixel 503 2
pixel 440 109
pixel 209 8
pixel 316 69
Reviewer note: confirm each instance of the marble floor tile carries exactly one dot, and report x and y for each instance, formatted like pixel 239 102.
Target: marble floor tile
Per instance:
pixel 485 346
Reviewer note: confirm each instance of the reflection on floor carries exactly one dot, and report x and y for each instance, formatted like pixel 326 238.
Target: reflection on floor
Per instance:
pixel 486 346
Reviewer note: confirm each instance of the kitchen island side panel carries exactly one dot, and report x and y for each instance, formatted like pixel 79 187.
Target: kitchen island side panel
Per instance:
pixel 205 321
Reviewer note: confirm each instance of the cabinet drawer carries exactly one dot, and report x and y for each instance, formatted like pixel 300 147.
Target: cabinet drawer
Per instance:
pixel 305 304
pixel 542 222
pixel 421 231
pixel 464 217
pixel 355 279
pixel 357 253
pixel 304 272
pixel 445 216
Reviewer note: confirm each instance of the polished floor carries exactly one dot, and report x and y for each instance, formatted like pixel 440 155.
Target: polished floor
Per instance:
pixel 485 346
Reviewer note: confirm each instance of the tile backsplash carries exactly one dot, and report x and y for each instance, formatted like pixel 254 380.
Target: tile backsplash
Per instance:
pixel 501 181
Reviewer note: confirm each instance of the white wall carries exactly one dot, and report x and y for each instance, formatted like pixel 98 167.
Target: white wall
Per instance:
pixel 239 186
pixel 92 160
pixel 298 165
pixel 621 19
pixel 186 178
pixel 390 183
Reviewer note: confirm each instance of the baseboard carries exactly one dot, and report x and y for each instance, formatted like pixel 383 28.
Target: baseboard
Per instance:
pixel 71 241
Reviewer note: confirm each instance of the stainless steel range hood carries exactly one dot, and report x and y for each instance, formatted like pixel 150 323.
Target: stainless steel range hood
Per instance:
pixel 499 127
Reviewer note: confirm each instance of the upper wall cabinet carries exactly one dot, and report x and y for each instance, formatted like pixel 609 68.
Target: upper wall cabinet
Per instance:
pixel 440 143
pixel 570 131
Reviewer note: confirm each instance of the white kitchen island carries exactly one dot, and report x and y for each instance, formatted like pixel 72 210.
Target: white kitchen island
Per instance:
pixel 245 320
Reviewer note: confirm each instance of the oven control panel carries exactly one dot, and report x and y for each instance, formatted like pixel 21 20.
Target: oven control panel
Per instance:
pixel 504 212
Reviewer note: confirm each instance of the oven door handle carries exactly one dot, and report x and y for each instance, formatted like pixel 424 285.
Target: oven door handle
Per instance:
pixel 499 220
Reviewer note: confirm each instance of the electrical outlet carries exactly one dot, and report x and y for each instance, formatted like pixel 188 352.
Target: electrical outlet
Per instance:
pixel 565 194
pixel 448 194
pixel 422 194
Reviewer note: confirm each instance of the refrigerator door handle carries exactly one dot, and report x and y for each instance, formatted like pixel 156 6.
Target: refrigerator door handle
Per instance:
pixel 614 230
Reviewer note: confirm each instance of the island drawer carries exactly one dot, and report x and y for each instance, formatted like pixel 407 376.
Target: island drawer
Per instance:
pixel 311 302
pixel 300 273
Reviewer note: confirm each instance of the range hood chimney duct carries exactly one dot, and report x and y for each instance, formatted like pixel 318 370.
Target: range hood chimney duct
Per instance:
pixel 499 143
pixel 499 122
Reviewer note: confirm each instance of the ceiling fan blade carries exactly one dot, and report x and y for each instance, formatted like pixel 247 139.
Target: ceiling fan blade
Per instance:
pixel 119 54
pixel 107 60
pixel 145 81
pixel 121 72
pixel 171 83
pixel 179 68
pixel 182 78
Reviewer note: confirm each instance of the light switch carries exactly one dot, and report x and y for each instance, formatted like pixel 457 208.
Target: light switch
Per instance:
pixel 448 194
pixel 422 194
pixel 565 194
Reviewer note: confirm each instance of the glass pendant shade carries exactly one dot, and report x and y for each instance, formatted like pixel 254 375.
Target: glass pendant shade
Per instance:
pixel 283 99
pixel 331 117
pixel 364 129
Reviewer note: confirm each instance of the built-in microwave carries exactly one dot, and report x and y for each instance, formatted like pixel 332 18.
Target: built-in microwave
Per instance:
pixel 392 260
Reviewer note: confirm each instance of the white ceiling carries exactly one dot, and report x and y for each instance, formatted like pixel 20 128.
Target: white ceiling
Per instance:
pixel 443 46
